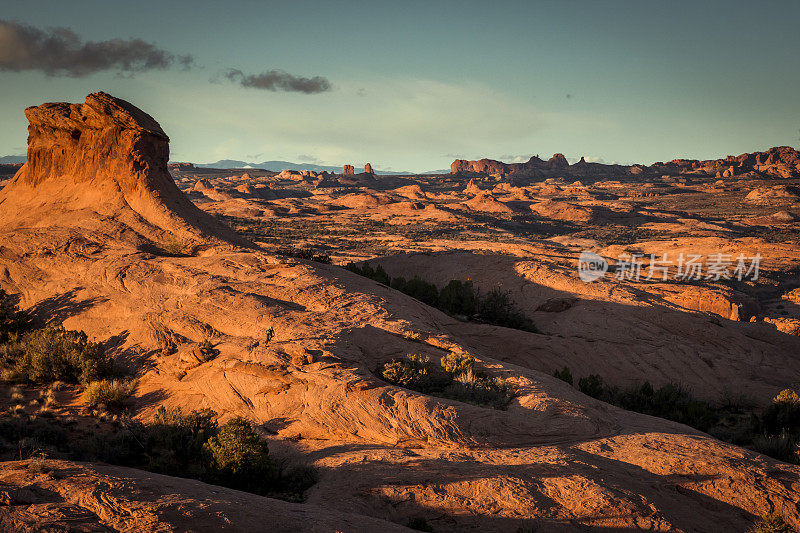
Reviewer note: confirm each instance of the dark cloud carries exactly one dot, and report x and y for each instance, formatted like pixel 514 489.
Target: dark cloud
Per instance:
pixel 62 52
pixel 278 80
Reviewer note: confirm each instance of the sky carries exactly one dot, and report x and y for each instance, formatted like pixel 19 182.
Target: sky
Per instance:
pixel 413 85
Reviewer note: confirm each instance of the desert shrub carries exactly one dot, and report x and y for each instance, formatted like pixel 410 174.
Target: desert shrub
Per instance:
pixel 178 440
pixel 497 308
pixel 415 372
pixel 22 437
pixel 207 351
pixel 592 385
pixel 423 291
pixel 457 380
pixel 186 445
pixel 772 523
pixel 56 354
pixel 399 284
pixel 10 355
pixel 12 320
pixel 564 375
pixel 381 276
pixel 174 247
pixel 239 458
pixel 419 523
pixel 457 363
pixel 110 392
pixel 783 414
pixel 480 389
pixel 670 401
pixel 307 254
pixel 783 446
pixel 458 298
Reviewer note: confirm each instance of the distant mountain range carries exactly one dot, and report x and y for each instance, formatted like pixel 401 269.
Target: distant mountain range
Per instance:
pixel 272 166
pixel 277 166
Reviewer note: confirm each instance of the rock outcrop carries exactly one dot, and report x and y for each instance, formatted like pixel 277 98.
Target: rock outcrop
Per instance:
pixel 348 170
pixel 108 157
pixel 368 169
pixel 777 162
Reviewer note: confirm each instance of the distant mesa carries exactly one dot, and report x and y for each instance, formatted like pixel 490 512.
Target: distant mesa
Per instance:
pixel 368 169
pixel 104 157
pixel 348 170
pixel 777 162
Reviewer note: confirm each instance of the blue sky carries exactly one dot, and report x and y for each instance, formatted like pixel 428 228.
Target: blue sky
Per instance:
pixel 416 84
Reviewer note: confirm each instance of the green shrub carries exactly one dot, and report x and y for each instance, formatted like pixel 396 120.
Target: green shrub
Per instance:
pixel 10 355
pixel 207 350
pixel 110 392
pixel 179 440
pixel 477 388
pixel 307 254
pixel 56 354
pixel 772 523
pixel 457 363
pixel 423 291
pixel 399 284
pixel 12 320
pixel 240 458
pixel 782 446
pixel 564 375
pixel 783 414
pixel 458 298
pixel 591 385
pixel 190 445
pixel 458 381
pixel 416 373
pixel 381 276
pixel 174 246
pixel 497 308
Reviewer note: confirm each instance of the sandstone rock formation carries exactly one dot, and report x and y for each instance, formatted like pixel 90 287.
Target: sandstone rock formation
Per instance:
pixel 107 156
pixel 779 162
pixel 348 170
pixel 554 459
pixel 368 169
pixel 80 497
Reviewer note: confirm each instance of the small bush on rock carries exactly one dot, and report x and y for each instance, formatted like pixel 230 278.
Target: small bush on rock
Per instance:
pixel 564 375
pixel 457 363
pixel 772 523
pixel 240 458
pixel 56 354
pixel 110 392
pixel 12 320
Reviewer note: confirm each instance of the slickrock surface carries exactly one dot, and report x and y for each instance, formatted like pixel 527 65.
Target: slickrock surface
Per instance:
pixel 77 238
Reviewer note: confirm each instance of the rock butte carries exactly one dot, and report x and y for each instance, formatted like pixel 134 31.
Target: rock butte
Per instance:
pixel 780 161
pixel 81 232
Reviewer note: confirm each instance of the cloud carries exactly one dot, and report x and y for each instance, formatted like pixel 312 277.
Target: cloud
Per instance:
pixel 305 158
pixel 278 80
pixel 62 52
pixel 523 158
